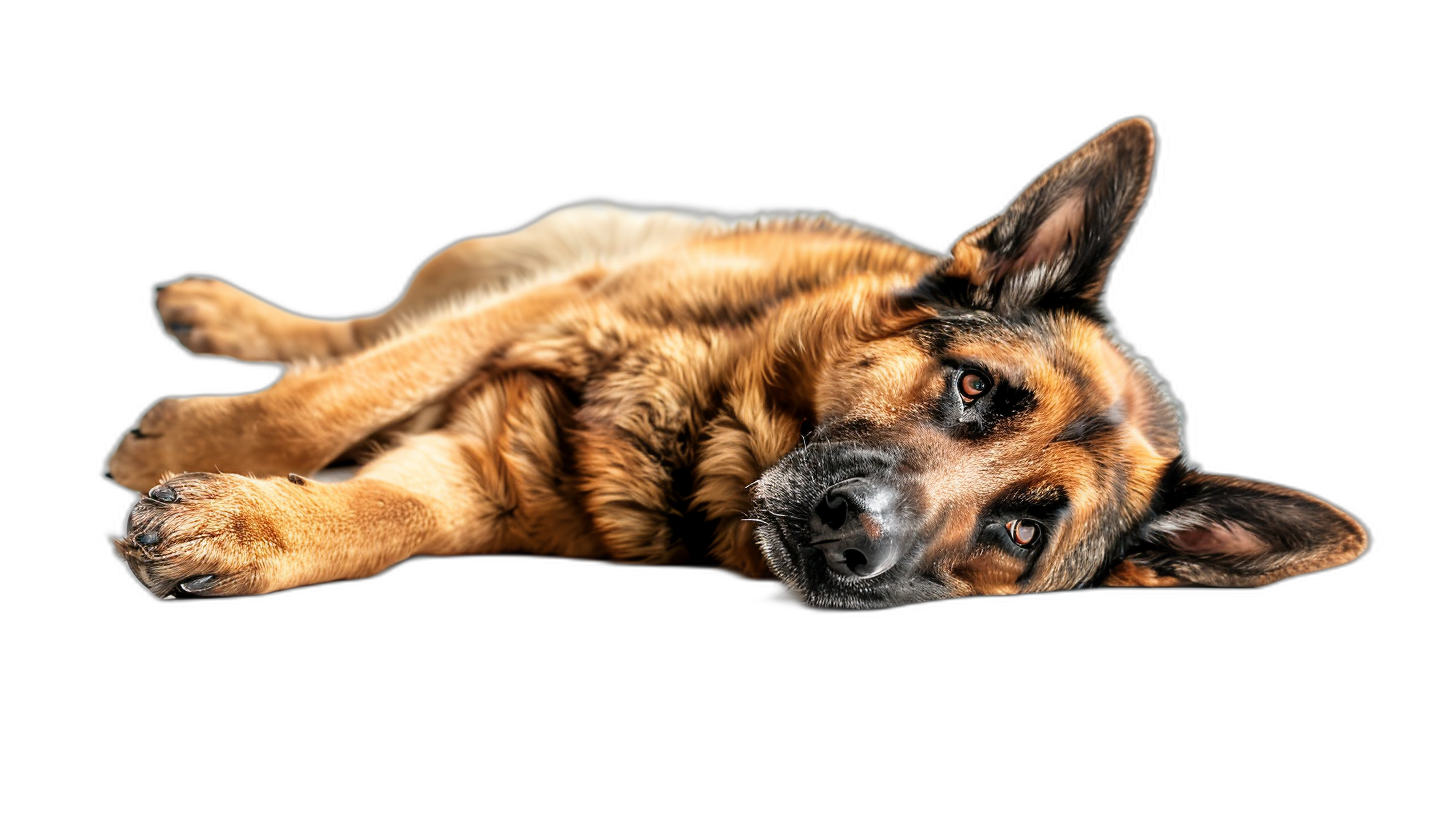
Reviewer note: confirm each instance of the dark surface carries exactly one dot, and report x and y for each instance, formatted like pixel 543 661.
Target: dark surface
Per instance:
pixel 328 207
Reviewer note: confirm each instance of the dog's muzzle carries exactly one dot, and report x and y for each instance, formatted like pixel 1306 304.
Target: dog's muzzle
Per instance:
pixel 856 527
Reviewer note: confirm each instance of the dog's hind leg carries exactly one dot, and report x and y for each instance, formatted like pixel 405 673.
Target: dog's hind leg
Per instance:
pixel 489 482
pixel 556 245
pixel 212 317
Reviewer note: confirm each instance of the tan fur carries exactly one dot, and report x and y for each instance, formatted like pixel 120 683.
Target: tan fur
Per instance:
pixel 1128 574
pixel 611 383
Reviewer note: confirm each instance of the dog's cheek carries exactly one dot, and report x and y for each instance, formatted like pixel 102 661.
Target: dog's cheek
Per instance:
pixel 986 573
pixel 950 555
pixel 777 514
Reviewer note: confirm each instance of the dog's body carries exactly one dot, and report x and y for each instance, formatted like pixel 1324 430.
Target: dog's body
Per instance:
pixel 871 422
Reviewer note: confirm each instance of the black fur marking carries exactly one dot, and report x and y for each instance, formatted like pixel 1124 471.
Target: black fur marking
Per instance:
pixel 982 416
pixel 1058 299
pixel 1168 491
pixel 1087 429
pixel 1167 495
pixel 951 293
pixel 719 315
pixel 937 336
pixel 940 291
pixel 688 526
pixel 1008 400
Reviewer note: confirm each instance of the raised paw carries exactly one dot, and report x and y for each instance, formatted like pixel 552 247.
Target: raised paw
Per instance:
pixel 205 534
pixel 209 316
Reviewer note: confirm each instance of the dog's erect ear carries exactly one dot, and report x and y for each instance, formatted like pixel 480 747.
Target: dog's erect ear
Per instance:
pixel 1053 246
pixel 1223 531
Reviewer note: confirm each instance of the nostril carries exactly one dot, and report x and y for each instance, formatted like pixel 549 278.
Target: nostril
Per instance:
pixel 856 561
pixel 833 510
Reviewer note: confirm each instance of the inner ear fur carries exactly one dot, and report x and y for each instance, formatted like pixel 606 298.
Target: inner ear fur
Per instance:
pixel 1224 531
pixel 1055 243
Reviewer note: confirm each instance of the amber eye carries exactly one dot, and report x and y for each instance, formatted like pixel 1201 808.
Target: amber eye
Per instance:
pixel 1023 532
pixel 974 384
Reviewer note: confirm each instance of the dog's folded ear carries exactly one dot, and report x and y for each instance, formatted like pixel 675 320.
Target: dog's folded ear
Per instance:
pixel 1223 531
pixel 1053 246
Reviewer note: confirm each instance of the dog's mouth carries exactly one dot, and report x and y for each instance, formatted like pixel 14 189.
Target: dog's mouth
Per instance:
pixel 834 529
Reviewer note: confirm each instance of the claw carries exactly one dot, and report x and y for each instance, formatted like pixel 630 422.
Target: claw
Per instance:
pixel 200 583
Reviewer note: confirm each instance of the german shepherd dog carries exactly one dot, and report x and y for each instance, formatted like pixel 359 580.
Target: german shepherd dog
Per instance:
pixel 870 422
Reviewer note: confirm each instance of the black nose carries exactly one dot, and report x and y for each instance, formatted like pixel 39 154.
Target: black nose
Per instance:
pixel 854 527
pixel 833 509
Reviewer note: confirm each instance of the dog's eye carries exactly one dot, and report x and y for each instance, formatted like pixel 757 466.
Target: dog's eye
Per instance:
pixel 974 384
pixel 1024 533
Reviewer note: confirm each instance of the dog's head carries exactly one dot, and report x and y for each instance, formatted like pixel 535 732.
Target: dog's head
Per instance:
pixel 998 439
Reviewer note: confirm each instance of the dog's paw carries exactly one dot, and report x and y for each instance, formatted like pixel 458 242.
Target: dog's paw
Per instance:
pixel 209 316
pixel 213 316
pixel 172 436
pixel 203 534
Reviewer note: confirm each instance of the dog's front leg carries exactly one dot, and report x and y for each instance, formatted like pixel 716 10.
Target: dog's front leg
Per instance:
pixel 315 413
pixel 491 481
pixel 224 534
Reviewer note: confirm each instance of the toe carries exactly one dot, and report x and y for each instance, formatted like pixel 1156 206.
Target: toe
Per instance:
pixel 162 493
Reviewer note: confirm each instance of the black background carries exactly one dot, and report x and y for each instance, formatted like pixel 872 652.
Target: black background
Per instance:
pixel 323 197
